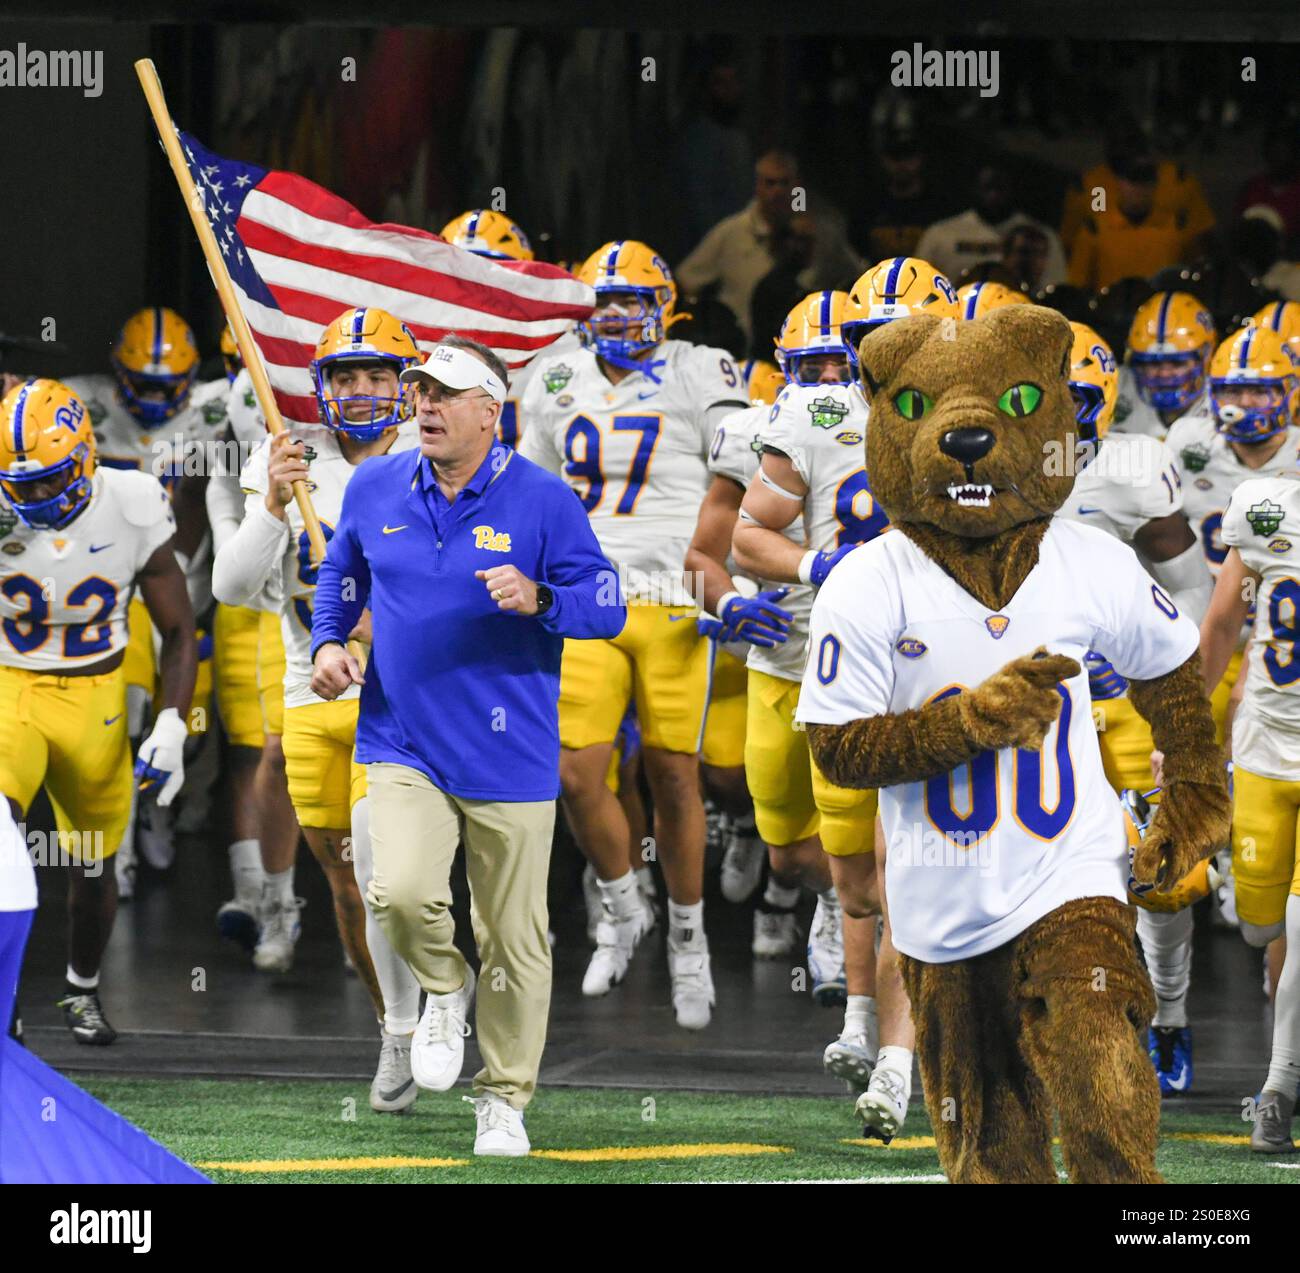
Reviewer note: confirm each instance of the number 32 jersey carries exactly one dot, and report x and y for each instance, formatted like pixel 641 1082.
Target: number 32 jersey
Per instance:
pixel 979 854
pixel 636 452
pixel 1263 524
pixel 64 593
pixel 328 475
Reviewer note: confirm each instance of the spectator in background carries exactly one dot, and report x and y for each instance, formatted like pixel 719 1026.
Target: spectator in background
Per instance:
pixel 1131 236
pixel 1277 187
pixel 1177 192
pixel 906 202
pixel 779 290
pixel 956 243
pixel 1025 251
pixel 741 248
pixel 1257 239
pixel 714 152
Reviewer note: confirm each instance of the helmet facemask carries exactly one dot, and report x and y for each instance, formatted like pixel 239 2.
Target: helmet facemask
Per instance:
pixel 1251 423
pixel 43 511
pixel 151 398
pixel 1169 381
pixel 362 416
pixel 621 310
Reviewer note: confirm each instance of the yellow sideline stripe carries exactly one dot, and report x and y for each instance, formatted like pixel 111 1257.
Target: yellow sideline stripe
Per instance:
pixel 1210 1138
pixel 617 1153
pixel 902 1142
pixel 927 1142
pixel 645 1153
pixel 330 1164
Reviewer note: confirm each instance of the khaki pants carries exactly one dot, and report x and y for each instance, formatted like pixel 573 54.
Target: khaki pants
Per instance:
pixel 414 829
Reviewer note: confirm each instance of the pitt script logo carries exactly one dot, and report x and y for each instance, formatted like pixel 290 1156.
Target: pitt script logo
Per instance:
pixel 486 537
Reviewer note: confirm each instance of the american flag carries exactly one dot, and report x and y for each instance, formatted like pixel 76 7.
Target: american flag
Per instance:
pixel 298 256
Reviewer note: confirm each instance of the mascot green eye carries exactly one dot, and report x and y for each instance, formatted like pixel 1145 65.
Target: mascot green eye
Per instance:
pixel 912 404
pixel 1021 400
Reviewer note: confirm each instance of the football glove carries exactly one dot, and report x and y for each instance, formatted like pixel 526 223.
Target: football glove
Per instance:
pixel 757 619
pixel 160 763
pixel 816 566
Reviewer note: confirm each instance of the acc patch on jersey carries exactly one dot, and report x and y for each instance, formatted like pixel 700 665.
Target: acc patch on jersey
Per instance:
pixel 848 438
pixel 1264 518
pixel 911 648
pixel 1280 546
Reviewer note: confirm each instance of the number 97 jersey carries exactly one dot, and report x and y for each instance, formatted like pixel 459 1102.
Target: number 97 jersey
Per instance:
pixel 636 452
pixel 823 430
pixel 64 593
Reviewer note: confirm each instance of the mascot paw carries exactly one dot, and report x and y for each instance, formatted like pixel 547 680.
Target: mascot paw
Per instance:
pixel 1015 707
pixel 1192 820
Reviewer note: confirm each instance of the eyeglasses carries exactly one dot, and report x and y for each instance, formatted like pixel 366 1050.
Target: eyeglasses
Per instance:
pixel 437 395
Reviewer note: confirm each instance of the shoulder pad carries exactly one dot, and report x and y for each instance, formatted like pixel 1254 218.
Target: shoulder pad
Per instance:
pixel 141 497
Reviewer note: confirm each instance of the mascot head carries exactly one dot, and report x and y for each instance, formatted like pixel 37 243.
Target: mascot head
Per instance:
pixel 972 426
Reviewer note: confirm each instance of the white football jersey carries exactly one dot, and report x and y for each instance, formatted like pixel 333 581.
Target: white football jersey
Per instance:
pixel 1135 415
pixel 329 475
pixel 1211 471
pixel 509 430
pixel 979 854
pixel 184 444
pixel 636 453
pixel 736 453
pixel 823 429
pixel 1132 480
pixel 64 593
pixel 1263 524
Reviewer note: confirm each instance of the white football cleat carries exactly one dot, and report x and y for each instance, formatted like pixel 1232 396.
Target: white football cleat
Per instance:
pixel 501 1131
pixel 278 935
pixel 742 866
pixel 438 1045
pixel 616 942
pixel 883 1106
pixel 826 953
pixel 852 1057
pixel 692 979
pixel 776 933
pixel 393 1088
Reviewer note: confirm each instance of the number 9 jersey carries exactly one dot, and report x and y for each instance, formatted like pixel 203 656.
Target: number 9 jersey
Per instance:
pixel 64 592
pixel 636 452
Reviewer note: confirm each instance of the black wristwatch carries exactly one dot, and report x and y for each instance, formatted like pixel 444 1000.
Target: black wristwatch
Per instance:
pixel 545 599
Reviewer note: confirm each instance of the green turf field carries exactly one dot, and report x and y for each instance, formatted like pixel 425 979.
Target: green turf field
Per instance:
pixel 245 1131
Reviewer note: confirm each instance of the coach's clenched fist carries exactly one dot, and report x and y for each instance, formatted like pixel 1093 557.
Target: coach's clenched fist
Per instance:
pixel 333 670
pixel 510 589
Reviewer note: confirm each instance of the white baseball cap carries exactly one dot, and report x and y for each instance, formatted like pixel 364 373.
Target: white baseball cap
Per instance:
pixel 457 369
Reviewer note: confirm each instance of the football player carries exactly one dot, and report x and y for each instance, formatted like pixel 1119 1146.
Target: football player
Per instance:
pixel 976 299
pixel 627 422
pixel 492 234
pixel 78 539
pixel 1248 428
pixel 363 411
pixel 1282 317
pixel 150 414
pixel 1261 531
pixel 250 700
pixel 1168 351
pixel 1128 486
pixel 812 467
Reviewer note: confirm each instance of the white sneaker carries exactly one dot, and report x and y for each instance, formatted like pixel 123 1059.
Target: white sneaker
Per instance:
pixel 124 868
pixel 278 936
pixel 501 1131
pixel 616 942
pixel 852 1057
pixel 742 867
pixel 826 953
pixel 393 1088
pixel 692 979
pixel 438 1046
pixel 591 899
pixel 645 886
pixel 776 933
pixel 883 1106
pixel 237 919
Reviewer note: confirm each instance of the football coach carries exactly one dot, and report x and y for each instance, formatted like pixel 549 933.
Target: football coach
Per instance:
pixel 475 565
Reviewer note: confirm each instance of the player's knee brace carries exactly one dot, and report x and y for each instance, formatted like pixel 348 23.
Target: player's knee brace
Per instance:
pixel 1261 934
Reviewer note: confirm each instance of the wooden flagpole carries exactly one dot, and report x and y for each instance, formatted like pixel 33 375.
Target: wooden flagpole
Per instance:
pixel 248 349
